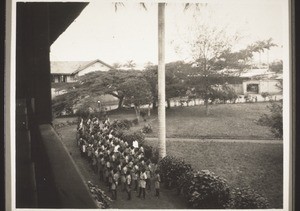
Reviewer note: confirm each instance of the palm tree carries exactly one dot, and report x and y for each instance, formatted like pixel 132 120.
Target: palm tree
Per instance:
pixel 130 64
pixel 161 81
pixel 268 44
pixel 260 47
pixel 161 75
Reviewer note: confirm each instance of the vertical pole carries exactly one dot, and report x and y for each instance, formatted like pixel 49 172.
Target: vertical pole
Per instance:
pixel 161 81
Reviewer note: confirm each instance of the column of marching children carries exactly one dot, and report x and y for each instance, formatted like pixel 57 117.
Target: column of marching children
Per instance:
pixel 119 165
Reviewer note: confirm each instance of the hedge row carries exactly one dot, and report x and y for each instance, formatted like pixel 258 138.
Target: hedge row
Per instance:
pixel 204 190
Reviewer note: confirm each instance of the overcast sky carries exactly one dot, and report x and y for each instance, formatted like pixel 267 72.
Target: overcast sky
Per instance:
pixel 130 33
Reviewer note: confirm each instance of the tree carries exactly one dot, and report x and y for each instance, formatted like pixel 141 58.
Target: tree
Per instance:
pixel 150 75
pixel 175 74
pixel 116 65
pixel 212 51
pixel 161 76
pixel 64 102
pixel 130 64
pixel 91 86
pixel 208 45
pixel 109 82
pixel 262 45
pixel 239 60
pixel 136 92
pixel 276 66
pixel 268 44
pixel 161 81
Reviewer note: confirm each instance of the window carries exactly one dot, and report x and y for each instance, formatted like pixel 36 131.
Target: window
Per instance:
pixel 252 88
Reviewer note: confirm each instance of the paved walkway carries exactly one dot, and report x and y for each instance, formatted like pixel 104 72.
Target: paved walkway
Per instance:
pixel 221 140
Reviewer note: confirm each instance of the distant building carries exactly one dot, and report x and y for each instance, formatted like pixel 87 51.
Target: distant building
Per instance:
pixel 69 71
pixel 262 80
pixel 257 81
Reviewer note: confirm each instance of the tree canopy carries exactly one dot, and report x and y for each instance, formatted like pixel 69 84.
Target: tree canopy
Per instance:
pixel 137 93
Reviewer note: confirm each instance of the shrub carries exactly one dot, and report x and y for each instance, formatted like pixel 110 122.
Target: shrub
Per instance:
pixel 247 198
pixel 204 190
pixel 102 200
pixel 130 136
pixel 135 122
pixel 147 129
pixel 171 169
pixel 248 98
pixel 265 95
pixel 151 153
pixel 86 113
pixel 121 124
pixel 83 113
pixel 274 119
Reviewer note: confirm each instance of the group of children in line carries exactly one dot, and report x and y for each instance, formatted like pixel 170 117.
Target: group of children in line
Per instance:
pixel 117 163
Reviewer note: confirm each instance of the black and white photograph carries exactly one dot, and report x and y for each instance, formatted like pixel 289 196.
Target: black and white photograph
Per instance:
pixel 150 105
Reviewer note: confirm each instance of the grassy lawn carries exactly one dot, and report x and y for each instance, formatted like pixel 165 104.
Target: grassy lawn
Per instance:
pixel 235 121
pixel 257 165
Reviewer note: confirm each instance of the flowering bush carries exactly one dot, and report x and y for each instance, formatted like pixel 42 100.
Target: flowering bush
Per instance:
pixel 247 198
pixel 205 190
pixel 172 169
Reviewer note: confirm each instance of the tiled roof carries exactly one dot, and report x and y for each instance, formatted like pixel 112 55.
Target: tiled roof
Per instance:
pixel 91 63
pixel 72 67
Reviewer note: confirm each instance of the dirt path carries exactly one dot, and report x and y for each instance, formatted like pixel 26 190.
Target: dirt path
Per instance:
pixel 167 200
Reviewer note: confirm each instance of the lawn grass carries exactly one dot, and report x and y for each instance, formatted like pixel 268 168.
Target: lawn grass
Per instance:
pixel 234 121
pixel 257 165
pixel 242 164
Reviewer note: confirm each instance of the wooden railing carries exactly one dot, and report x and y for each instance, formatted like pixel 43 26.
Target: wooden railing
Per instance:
pixel 57 181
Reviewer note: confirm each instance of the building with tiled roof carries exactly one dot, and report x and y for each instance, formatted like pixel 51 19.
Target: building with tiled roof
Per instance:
pixel 68 71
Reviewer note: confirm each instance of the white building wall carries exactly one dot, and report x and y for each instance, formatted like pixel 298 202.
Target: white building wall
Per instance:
pixel 56 78
pixel 269 86
pixel 70 78
pixel 95 67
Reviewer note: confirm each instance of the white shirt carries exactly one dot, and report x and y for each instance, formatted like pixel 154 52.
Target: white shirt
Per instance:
pixel 116 148
pixel 135 144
